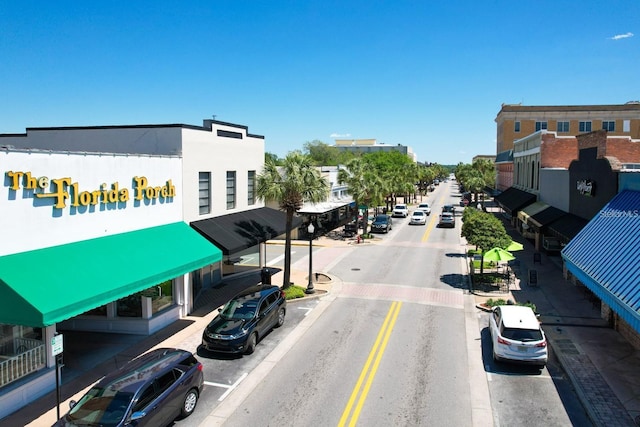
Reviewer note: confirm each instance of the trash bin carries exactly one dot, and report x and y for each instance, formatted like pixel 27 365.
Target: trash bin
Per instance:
pixel 265 276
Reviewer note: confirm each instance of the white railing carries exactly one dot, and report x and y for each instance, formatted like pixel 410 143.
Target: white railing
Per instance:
pixel 16 367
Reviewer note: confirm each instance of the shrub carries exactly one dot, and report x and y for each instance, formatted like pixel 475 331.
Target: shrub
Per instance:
pixel 293 292
pixel 494 303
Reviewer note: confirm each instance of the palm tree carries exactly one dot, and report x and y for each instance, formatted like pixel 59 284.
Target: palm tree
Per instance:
pixel 363 184
pixel 292 184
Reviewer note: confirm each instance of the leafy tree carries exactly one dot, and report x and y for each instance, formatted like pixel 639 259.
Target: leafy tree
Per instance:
pixel 272 158
pixel 483 230
pixel 363 184
pixel 292 184
pixel 326 155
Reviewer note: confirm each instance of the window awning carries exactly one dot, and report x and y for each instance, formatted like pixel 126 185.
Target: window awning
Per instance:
pixel 545 217
pixel 604 256
pixel 567 226
pixel 513 199
pixel 532 209
pixel 46 286
pixel 324 207
pixel 242 230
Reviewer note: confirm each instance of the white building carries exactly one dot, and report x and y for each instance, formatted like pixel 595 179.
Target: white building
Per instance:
pixel 96 233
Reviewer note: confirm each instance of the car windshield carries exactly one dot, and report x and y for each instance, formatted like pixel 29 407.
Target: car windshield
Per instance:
pixel 517 334
pixel 418 213
pixel 380 220
pixel 100 407
pixel 240 308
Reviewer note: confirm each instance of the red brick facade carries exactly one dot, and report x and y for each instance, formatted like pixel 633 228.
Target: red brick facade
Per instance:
pixel 557 152
pixel 625 150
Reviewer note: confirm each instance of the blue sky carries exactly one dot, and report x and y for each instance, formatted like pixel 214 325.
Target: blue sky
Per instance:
pixel 428 74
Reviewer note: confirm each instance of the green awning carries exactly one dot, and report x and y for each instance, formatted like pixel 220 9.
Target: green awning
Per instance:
pixel 42 287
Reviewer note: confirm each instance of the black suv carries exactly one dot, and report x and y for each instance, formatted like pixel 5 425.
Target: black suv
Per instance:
pixel 381 224
pixel 244 320
pixel 151 390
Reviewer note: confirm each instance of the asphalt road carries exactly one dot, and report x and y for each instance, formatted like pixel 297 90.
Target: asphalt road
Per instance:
pixel 392 347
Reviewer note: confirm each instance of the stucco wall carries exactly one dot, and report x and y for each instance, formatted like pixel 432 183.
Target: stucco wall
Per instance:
pixel 31 223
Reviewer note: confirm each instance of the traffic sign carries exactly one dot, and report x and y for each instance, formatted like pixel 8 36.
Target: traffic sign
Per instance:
pixel 56 345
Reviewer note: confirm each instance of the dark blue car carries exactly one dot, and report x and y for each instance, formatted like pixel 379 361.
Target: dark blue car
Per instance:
pixel 245 320
pixel 151 390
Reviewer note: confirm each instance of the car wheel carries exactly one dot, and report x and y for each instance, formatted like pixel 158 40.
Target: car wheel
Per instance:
pixel 189 402
pixel 281 314
pixel 251 343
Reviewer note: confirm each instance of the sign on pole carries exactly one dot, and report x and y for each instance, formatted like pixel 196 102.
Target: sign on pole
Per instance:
pixel 56 345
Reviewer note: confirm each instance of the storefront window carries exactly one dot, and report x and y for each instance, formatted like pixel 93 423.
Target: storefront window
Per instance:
pixel 17 339
pixel 161 297
pixel 98 311
pixel 130 306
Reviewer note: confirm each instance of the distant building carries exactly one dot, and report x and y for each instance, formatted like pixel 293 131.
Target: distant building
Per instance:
pixel 515 122
pixel 371 146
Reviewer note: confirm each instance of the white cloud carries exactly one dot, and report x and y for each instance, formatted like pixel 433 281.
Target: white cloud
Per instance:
pixel 340 135
pixel 621 36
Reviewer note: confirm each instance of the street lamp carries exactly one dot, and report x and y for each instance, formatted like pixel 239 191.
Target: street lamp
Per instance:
pixel 310 289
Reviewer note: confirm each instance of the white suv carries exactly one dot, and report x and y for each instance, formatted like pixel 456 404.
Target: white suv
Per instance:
pixel 401 210
pixel 517 335
pixel 424 207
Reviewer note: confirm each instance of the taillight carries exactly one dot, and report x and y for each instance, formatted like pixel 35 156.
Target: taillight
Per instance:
pixel 541 344
pixel 282 294
pixel 503 341
pixel 199 367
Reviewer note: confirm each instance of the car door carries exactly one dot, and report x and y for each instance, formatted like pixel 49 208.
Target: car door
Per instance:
pixel 168 400
pixel 147 403
pixel 265 315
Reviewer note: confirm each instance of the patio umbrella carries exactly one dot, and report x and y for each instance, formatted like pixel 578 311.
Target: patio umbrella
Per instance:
pixel 497 255
pixel 514 246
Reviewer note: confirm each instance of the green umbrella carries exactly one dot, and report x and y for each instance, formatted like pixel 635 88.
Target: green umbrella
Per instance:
pixel 497 255
pixel 514 246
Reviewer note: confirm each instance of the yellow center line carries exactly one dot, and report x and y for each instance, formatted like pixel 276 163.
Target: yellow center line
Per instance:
pixel 376 353
pixel 432 220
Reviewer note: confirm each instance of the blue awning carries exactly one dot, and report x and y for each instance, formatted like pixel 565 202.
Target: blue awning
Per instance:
pixel 604 256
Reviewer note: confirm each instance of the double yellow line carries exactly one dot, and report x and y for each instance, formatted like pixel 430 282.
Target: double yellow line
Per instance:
pixel 370 368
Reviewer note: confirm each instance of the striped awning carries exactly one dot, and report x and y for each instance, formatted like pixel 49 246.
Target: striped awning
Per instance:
pixel 604 256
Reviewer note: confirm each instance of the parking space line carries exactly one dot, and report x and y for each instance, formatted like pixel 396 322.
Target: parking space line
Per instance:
pixel 306 308
pixel 229 387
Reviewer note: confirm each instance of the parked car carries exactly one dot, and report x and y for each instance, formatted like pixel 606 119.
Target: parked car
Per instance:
pixel 401 210
pixel 418 217
pixel 244 320
pixel 424 207
pixel 382 224
pixel 447 220
pixel 151 390
pixel 517 335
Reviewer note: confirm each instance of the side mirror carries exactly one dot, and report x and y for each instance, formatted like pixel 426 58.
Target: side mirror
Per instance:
pixel 72 403
pixel 137 415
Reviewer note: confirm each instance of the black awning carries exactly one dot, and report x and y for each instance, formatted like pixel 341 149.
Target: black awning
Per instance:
pixel 513 199
pixel 242 230
pixel 567 226
pixel 545 217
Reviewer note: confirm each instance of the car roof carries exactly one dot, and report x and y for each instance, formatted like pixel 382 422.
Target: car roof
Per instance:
pixel 519 317
pixel 130 377
pixel 258 290
pixel 423 204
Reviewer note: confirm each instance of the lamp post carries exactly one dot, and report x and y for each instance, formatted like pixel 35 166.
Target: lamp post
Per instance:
pixel 310 289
